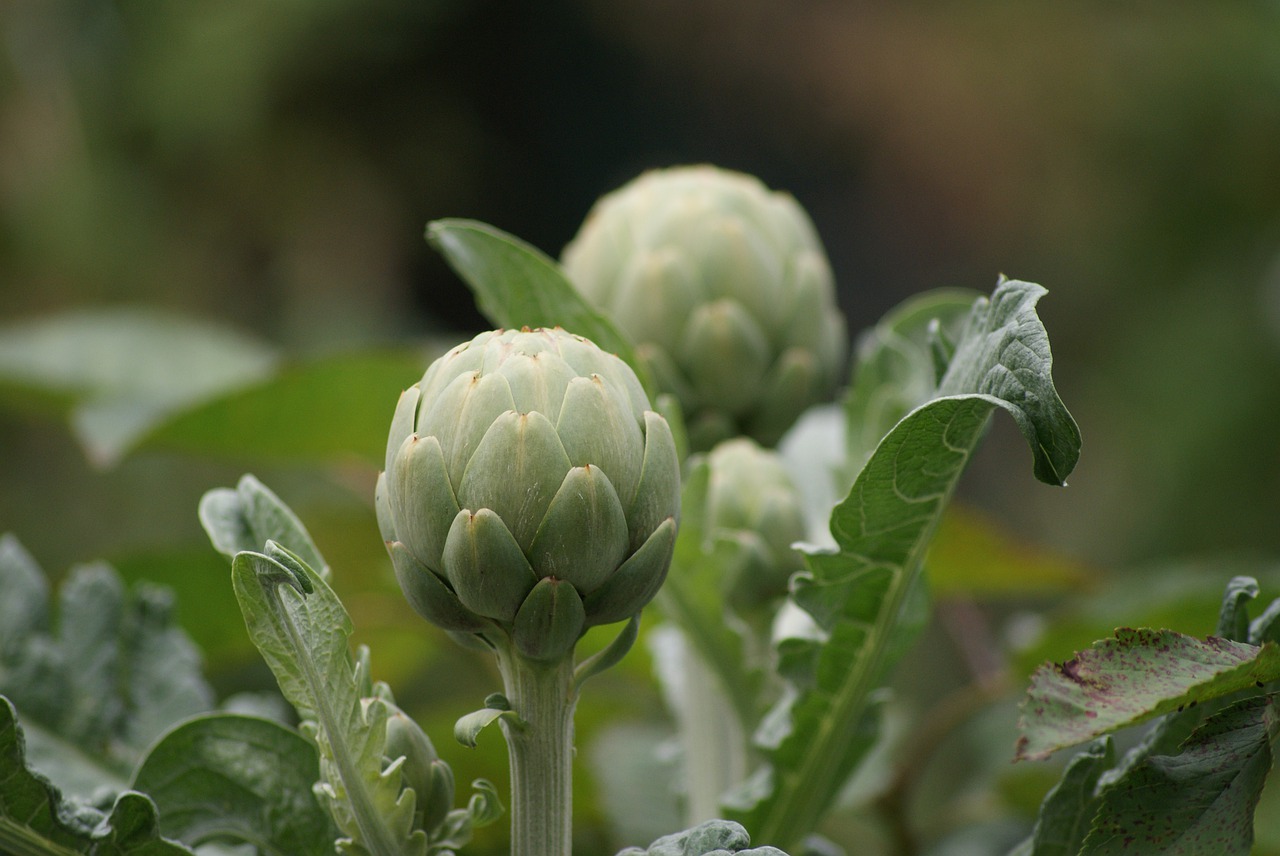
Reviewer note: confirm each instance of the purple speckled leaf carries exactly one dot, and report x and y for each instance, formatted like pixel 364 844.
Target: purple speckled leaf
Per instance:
pixel 1199 802
pixel 1133 677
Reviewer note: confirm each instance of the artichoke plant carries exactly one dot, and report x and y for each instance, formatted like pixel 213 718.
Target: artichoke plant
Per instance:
pixel 750 498
pixel 726 290
pixel 529 491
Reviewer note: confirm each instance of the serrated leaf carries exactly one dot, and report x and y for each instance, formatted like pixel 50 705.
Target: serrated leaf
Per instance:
pixel 858 593
pixel 1133 677
pixel 1068 809
pixel 35 819
pixel 247 517
pixel 125 370
pixel 100 684
pixel 238 778
pixel 518 286
pixel 334 409
pixel 1199 802
pixel 301 629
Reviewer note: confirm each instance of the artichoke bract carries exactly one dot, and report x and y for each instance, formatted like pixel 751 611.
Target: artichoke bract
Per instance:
pixel 529 491
pixel 725 289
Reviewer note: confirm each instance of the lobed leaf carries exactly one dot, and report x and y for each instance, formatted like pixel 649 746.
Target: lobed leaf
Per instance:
pixel 35 818
pixel 1133 677
pixel 1199 802
pixel 101 683
pixel 301 629
pixel 225 777
pixel 857 595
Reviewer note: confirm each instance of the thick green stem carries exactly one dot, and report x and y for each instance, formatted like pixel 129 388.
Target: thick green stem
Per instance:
pixel 541 754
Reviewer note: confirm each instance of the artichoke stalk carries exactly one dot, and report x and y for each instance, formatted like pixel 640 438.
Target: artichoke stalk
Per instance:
pixel 725 289
pixel 530 493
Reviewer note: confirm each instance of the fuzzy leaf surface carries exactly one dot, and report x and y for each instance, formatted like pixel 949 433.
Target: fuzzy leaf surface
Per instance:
pixel 100 683
pixel 1199 802
pixel 857 595
pixel 301 629
pixel 35 819
pixel 1137 675
pixel 239 778
pixel 246 517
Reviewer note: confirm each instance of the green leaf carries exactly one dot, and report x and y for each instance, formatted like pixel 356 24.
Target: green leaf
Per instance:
pixel 609 656
pixel 98 687
pixel 882 530
pixel 122 371
pixel 1068 809
pixel 330 410
pixel 1131 678
pixel 518 286
pixel 467 729
pixel 1199 802
pixel 227 777
pixel 895 368
pixel 247 517
pixel 301 629
pixel 35 819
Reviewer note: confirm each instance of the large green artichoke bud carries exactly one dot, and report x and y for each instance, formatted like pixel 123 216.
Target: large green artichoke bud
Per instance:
pixel 529 491
pixel 726 291
pixel 750 498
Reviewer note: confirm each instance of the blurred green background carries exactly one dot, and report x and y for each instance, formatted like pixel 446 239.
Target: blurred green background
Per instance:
pixel 266 167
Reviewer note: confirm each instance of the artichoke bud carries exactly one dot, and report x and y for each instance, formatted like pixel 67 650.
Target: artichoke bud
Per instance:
pixel 718 281
pixel 751 499
pixel 528 478
pixel 422 770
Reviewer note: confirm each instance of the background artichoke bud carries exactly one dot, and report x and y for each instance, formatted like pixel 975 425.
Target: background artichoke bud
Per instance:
pixel 529 490
pixel 725 289
pixel 751 498
pixel 430 778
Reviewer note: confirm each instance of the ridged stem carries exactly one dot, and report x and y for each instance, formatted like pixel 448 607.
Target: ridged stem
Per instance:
pixel 540 751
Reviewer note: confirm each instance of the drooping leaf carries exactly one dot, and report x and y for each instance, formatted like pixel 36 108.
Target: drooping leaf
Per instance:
pixel 97 686
pixel 224 777
pixel 1199 802
pixel 301 629
pixel 857 593
pixel 35 819
pixel 1133 677
pixel 122 371
pixel 895 369
pixel 247 517
pixel 1068 809
pixel 518 286
pixel 330 410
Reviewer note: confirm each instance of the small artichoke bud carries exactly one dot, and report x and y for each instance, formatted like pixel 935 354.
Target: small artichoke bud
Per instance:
pixel 530 491
pixel 725 289
pixel 430 778
pixel 750 497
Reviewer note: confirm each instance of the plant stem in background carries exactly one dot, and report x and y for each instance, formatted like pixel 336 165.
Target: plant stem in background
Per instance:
pixel 540 748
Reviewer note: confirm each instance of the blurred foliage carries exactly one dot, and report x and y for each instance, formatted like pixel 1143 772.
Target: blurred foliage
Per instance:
pixel 266 167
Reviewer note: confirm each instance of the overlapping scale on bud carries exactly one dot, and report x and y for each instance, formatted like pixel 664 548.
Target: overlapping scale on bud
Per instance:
pixel 529 490
pixel 751 499
pixel 421 769
pixel 726 290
